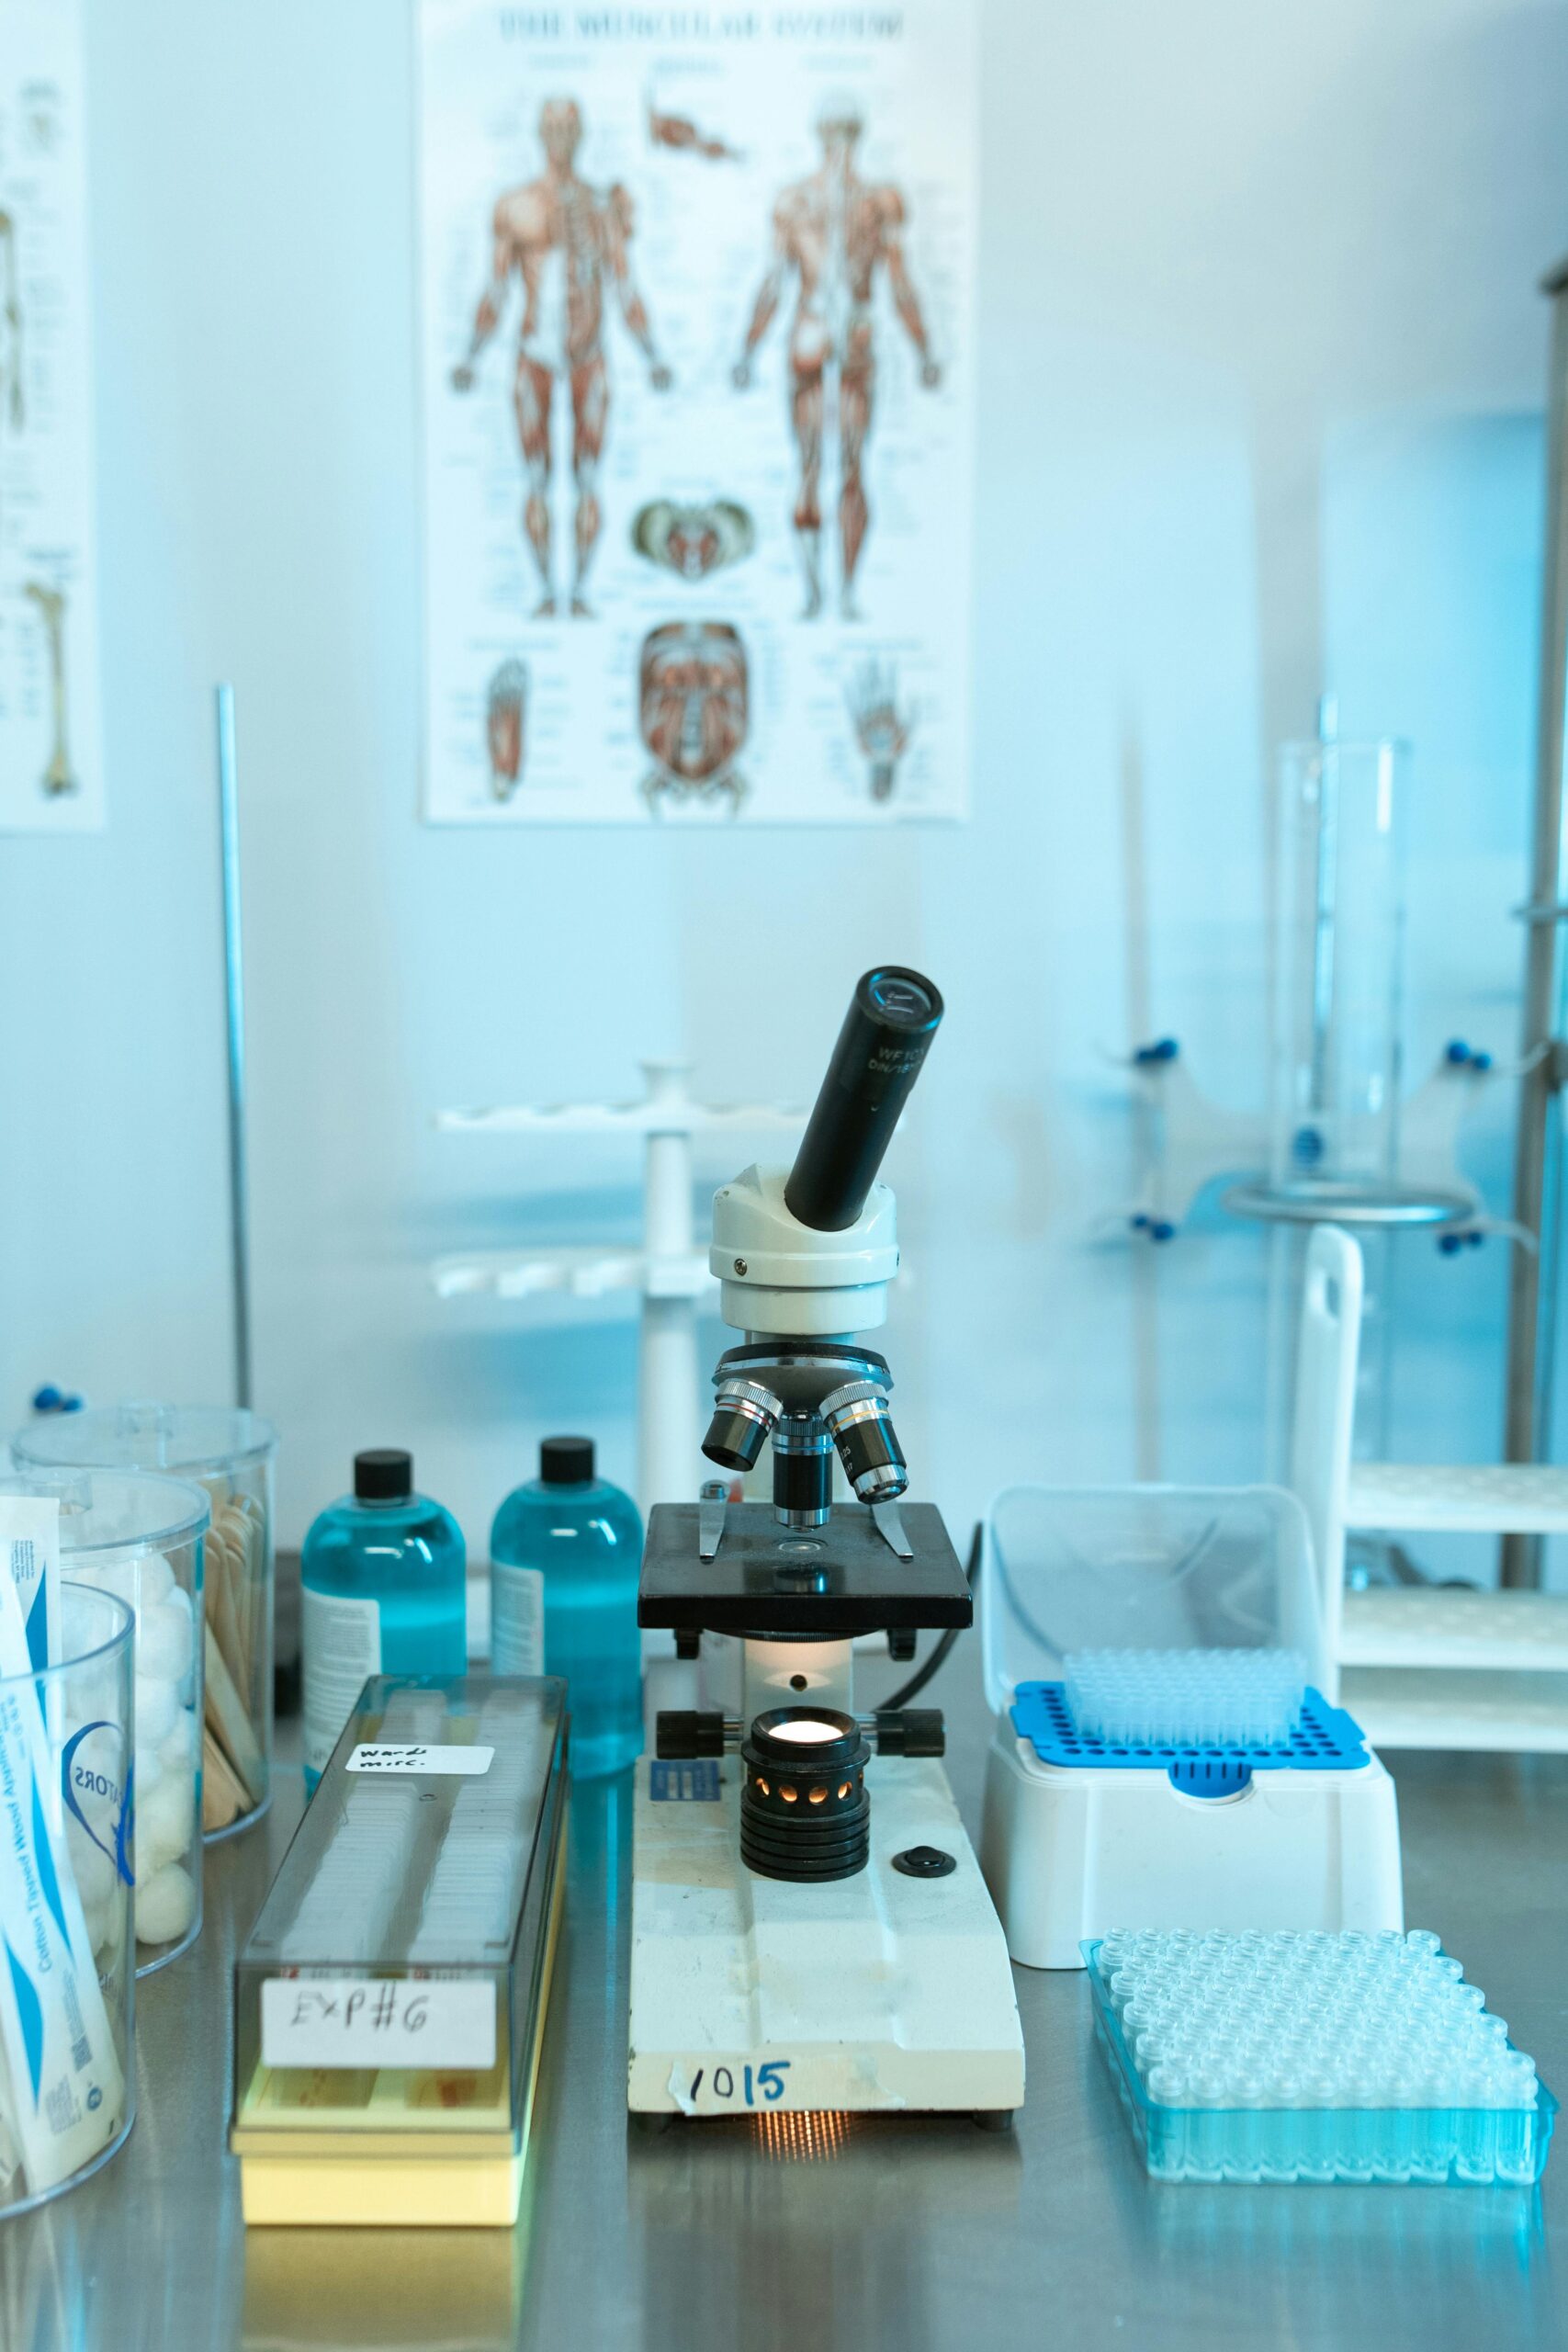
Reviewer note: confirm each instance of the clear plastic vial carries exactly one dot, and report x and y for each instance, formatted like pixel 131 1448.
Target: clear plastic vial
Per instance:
pixel 566 1554
pixel 383 1578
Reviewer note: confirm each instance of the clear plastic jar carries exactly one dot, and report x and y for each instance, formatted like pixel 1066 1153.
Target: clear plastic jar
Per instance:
pixel 230 1453
pixel 141 1538
pixel 68 2084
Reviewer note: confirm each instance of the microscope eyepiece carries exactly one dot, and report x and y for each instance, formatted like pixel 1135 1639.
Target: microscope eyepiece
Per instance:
pixel 887 1031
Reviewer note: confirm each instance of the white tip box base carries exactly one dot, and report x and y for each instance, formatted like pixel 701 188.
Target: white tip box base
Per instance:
pixel 1070 1852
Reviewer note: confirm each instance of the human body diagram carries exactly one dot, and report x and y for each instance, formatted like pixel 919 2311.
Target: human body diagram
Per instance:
pixel 834 233
pixel 570 245
pixel 12 397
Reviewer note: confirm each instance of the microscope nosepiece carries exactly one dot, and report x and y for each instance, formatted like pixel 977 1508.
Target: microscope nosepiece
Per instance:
pixel 861 1426
pixel 744 1415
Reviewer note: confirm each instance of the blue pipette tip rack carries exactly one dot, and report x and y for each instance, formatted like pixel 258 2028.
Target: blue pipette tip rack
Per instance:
pixel 1301 2058
pixel 1322 1739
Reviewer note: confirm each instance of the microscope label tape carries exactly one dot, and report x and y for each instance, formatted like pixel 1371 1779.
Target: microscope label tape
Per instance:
pixel 693 1783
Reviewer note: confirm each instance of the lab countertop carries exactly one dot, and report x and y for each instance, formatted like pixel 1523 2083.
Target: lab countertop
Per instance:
pixel 806 2236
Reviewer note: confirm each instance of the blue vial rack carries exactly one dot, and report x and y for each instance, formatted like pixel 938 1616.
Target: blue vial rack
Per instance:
pixel 1324 1739
pixel 1472 2146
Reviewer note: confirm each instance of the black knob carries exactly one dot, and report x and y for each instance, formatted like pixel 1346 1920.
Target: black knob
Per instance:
pixel 907 1731
pixel 681 1733
pixel 886 1033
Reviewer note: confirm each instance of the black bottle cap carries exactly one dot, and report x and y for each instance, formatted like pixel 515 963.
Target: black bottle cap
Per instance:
pixel 384 1474
pixel 566 1460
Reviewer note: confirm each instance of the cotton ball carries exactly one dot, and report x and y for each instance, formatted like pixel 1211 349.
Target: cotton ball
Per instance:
pixel 148 1766
pixel 165 1818
pixel 178 1751
pixel 120 1576
pixel 157 1704
pixel 164 1643
pixel 165 1906
pixel 91 1699
pixel 155 1580
pixel 92 1869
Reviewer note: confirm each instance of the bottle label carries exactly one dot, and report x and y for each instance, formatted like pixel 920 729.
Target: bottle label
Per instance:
pixel 516 1620
pixel 342 1645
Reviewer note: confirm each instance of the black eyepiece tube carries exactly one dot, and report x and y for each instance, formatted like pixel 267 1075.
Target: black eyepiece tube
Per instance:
pixel 890 1024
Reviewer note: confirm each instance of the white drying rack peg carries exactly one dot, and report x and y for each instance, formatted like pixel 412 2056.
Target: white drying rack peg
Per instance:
pixel 669 1272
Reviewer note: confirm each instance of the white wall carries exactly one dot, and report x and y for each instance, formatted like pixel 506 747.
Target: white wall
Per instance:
pixel 1261 366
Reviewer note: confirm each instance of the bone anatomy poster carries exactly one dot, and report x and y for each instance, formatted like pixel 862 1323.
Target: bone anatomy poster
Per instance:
pixel 50 773
pixel 699 394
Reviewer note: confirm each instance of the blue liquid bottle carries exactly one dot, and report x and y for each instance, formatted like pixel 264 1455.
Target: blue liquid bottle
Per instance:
pixel 565 1554
pixel 383 1578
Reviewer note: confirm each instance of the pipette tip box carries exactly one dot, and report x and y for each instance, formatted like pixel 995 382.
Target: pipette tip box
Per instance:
pixel 390 2003
pixel 1164 1755
pixel 1313 2058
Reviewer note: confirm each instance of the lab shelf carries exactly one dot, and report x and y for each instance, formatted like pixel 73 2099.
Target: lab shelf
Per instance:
pixel 1459 1707
pixel 1437 1625
pixel 1472 1498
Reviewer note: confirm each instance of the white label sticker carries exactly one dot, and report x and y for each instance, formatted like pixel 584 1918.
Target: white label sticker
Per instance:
pixel 377 2022
pixel 516 1619
pixel 342 1645
pixel 408 1755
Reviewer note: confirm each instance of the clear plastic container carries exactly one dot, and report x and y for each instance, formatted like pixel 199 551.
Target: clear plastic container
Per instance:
pixel 1069 1570
pixel 566 1558
pixel 64 1773
pixel 141 1538
pixel 230 1453
pixel 392 1993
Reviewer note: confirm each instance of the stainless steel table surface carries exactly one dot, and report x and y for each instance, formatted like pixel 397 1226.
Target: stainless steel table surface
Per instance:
pixel 805 2235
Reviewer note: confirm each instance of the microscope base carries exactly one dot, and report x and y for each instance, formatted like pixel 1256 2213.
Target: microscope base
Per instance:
pixel 873 1993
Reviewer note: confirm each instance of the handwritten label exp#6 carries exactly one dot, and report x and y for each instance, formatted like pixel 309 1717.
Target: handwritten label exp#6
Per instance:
pixel 377 2022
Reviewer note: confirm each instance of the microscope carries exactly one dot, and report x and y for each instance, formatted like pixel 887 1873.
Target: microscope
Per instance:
pixel 811 1930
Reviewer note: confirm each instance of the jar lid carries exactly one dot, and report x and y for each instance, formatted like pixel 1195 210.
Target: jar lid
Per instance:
pixel 143 1436
pixel 114 1510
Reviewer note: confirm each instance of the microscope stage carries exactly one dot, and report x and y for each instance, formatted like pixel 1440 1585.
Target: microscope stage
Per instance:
pixel 877 1992
pixel 826 1583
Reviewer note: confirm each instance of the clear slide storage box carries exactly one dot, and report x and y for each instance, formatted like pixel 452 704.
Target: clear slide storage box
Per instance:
pixel 228 1451
pixel 390 2003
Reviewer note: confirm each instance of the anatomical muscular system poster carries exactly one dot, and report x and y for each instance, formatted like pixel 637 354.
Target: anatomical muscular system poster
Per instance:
pixel 697 391
pixel 50 773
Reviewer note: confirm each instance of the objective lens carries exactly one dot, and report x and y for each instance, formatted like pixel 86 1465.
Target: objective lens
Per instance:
pixel 804 1813
pixel 743 1415
pixel 862 1427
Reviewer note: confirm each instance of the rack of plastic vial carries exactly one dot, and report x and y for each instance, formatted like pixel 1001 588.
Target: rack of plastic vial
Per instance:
pixel 389 2005
pixel 228 1452
pixel 142 1538
pixel 1313 2058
